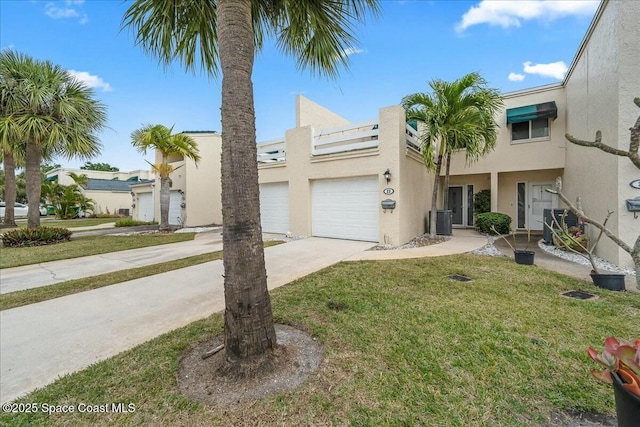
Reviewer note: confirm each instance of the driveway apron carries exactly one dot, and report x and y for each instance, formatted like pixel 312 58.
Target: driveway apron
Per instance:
pixel 41 342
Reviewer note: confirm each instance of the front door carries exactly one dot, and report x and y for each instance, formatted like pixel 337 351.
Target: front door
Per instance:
pixel 539 200
pixel 456 205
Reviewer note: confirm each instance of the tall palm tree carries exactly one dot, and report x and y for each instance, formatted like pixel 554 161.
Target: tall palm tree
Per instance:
pixel 225 35
pixel 55 114
pixel 455 116
pixel 160 138
pixel 13 150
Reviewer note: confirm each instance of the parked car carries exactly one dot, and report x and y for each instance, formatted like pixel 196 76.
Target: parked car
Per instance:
pixel 20 210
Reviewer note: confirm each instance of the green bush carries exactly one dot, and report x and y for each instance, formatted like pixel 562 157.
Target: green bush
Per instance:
pixel 128 222
pixel 482 202
pixel 35 237
pixel 501 222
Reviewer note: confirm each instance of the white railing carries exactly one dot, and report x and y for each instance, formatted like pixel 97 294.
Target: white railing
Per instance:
pixel 271 151
pixel 354 136
pixel 412 138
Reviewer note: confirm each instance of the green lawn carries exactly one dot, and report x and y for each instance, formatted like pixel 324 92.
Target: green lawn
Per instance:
pixel 83 246
pixel 412 347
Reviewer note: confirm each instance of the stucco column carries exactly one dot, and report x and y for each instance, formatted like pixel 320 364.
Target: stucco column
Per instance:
pixel 298 146
pixel 391 144
pixel 494 191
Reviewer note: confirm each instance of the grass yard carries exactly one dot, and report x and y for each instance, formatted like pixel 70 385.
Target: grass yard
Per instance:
pixel 84 246
pixel 44 293
pixel 408 346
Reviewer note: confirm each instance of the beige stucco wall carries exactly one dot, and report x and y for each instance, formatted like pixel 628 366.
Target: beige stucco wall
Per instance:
pixel 110 201
pixel 507 193
pixel 507 156
pixel 202 182
pixel 600 90
pixel 301 169
pixel 308 113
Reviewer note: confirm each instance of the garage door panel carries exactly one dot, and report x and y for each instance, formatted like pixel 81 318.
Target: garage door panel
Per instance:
pixel 274 207
pixel 145 207
pixel 175 208
pixel 346 208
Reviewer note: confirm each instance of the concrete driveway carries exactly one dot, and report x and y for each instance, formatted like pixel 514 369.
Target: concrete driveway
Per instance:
pixel 49 273
pixel 40 342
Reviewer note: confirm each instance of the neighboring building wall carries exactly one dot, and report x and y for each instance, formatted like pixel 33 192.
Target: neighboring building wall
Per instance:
pixel 520 156
pixel 65 179
pixel 203 191
pixel 600 89
pixel 109 201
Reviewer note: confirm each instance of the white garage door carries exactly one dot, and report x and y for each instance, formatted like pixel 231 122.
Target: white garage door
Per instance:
pixel 145 207
pixel 345 208
pixel 175 210
pixel 274 207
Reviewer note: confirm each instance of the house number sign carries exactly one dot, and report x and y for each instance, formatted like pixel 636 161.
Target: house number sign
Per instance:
pixel 635 183
pixel 388 191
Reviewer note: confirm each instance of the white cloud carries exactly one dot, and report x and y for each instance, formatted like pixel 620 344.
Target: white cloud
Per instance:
pixel 54 11
pixel 511 13
pixel 556 70
pixel 515 77
pixel 91 80
pixel 352 51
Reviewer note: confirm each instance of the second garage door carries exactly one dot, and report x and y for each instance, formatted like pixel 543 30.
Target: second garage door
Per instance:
pixel 145 207
pixel 345 208
pixel 175 208
pixel 274 207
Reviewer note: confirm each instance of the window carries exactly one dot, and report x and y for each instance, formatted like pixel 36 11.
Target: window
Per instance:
pixel 532 129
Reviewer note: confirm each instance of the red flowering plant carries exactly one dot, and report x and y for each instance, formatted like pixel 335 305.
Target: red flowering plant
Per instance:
pixel 622 358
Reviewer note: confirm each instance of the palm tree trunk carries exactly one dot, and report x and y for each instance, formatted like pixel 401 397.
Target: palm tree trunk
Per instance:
pixel 248 321
pixel 164 202
pixel 9 188
pixel 434 199
pixel 34 183
pixel 445 192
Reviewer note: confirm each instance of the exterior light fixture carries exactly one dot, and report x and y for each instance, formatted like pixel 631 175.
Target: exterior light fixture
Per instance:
pixel 387 175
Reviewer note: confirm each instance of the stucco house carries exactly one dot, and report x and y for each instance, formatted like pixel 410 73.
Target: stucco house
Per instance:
pixel 111 191
pixel 366 181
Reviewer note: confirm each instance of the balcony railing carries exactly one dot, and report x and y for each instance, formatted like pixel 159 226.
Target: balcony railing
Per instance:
pixel 271 151
pixel 353 136
pixel 412 138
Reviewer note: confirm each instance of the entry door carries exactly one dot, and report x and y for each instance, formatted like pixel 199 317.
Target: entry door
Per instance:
pixel 456 205
pixel 539 200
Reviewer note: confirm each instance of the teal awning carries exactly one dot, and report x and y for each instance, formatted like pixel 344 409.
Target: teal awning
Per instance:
pixel 532 112
pixel 51 178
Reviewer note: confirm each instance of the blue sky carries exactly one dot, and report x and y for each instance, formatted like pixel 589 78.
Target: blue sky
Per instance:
pixel 514 44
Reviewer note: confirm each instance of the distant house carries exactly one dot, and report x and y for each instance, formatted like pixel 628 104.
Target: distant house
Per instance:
pixel 366 181
pixel 111 191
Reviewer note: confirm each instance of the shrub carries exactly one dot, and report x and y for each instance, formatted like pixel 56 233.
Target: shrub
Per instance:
pixel 482 202
pixel 35 237
pixel 128 222
pixel 501 222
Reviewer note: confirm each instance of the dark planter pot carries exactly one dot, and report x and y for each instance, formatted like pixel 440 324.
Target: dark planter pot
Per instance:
pixel 627 404
pixel 613 282
pixel 524 257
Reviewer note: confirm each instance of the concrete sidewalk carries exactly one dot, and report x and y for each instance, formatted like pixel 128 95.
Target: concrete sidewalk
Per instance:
pixel 40 342
pixel 49 273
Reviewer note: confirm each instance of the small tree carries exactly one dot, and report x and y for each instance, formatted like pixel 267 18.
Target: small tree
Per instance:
pixel 456 116
pixel 160 138
pixel 632 154
pixel 105 167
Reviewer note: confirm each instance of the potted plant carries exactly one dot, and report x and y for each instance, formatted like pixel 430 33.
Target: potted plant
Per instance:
pixel 576 241
pixel 522 256
pixel 622 362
